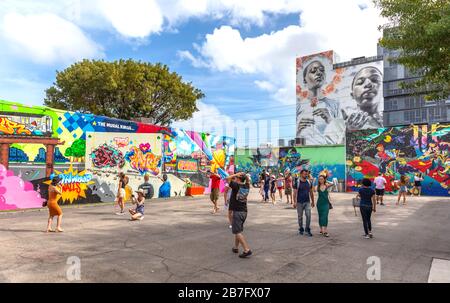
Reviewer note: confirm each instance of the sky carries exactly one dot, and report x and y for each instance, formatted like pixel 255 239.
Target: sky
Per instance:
pixel 240 53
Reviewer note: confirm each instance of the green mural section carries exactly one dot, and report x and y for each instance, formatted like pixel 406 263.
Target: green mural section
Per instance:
pixel 318 159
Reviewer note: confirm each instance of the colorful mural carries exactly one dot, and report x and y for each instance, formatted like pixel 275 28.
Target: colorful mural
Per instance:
pixel 191 155
pixel 15 193
pixel 331 100
pixel 89 173
pixel 329 159
pixel 323 159
pixel 74 184
pixel 400 151
pixel 25 125
pixel 124 152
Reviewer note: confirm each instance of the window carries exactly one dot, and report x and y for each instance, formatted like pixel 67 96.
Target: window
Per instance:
pixel 407 116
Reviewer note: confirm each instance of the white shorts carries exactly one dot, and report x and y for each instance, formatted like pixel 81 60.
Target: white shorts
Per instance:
pixel 122 193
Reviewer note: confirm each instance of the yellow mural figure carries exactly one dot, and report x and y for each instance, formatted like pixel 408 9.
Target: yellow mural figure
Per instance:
pixel 128 193
pixel 8 127
pixel 218 160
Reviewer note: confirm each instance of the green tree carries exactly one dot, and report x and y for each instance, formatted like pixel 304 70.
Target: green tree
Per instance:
pixel 420 30
pixel 124 89
pixel 77 149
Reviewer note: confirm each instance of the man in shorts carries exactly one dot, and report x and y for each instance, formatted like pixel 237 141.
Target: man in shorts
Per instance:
pixel 380 185
pixel 215 188
pixel 238 205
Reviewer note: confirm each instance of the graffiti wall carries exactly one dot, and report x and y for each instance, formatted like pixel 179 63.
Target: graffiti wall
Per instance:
pixel 324 159
pixel 89 170
pixel 190 155
pixel 400 151
pixel 331 100
pixel 255 160
pixel 329 159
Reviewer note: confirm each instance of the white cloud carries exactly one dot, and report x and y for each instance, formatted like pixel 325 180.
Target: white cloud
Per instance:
pixel 208 118
pixel 47 38
pixel 133 18
pixel 324 26
pixel 236 11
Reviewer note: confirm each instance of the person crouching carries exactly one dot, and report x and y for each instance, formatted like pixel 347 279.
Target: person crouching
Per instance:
pixel 138 212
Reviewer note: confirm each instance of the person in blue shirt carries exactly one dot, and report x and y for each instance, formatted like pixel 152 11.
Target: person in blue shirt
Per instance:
pixel 304 202
pixel 367 205
pixel 164 189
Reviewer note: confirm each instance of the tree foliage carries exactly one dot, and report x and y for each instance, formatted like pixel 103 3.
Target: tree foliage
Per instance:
pixel 124 89
pixel 77 149
pixel 420 30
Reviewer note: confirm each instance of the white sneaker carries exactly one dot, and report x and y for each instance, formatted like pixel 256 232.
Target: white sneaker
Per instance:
pixel 120 213
pixel 141 217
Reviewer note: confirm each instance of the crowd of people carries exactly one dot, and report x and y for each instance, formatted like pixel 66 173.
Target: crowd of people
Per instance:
pixel 299 190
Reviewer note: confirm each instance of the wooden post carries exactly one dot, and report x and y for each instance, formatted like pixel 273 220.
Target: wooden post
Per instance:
pixel 49 160
pixel 4 154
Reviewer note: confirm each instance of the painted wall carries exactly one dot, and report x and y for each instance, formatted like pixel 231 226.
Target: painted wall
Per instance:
pixel 400 151
pixel 88 183
pixel 255 160
pixel 329 159
pixel 331 100
pixel 190 155
pixel 315 158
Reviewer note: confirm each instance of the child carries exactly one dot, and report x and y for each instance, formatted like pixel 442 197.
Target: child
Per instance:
pixel 138 213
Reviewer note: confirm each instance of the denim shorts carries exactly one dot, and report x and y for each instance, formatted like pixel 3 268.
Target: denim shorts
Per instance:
pixel 237 224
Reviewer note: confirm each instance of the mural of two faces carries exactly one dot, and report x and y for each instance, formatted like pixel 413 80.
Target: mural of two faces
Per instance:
pixel 330 101
pixel 410 151
pixel 92 150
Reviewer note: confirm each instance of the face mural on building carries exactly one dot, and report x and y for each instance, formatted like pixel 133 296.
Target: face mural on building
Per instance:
pixel 331 100
pixel 398 151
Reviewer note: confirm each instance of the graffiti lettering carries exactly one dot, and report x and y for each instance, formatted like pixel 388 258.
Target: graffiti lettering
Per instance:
pixel 106 156
pixel 121 142
pixel 143 160
pixel 186 165
pixel 71 187
pixel 8 127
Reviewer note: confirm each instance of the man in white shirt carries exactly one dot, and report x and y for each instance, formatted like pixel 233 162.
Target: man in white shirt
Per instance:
pixel 380 185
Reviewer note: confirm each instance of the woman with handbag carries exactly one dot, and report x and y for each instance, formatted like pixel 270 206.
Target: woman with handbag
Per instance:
pixel 323 204
pixel 54 191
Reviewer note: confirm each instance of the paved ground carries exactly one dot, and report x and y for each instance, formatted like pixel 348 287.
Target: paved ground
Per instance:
pixel 180 241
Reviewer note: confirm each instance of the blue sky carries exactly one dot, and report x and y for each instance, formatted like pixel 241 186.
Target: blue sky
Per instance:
pixel 241 54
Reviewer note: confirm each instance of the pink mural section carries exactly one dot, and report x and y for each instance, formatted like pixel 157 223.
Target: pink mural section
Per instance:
pixel 16 193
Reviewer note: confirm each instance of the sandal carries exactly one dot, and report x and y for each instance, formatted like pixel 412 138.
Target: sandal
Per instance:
pixel 326 235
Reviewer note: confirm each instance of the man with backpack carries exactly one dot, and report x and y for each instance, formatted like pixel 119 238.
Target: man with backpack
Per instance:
pixel 240 188
pixel 304 202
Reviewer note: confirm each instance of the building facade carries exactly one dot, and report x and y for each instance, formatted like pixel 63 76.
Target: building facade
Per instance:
pixel 404 106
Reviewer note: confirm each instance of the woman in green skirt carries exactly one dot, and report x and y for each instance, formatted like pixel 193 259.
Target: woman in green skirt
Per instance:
pixel 323 204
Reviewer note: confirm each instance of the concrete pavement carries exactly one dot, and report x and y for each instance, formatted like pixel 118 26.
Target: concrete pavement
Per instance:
pixel 180 241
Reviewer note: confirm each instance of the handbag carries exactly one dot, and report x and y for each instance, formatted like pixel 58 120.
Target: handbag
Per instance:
pixel 330 206
pixel 44 204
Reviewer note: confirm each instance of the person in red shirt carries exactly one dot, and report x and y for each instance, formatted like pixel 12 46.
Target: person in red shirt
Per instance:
pixel 215 188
